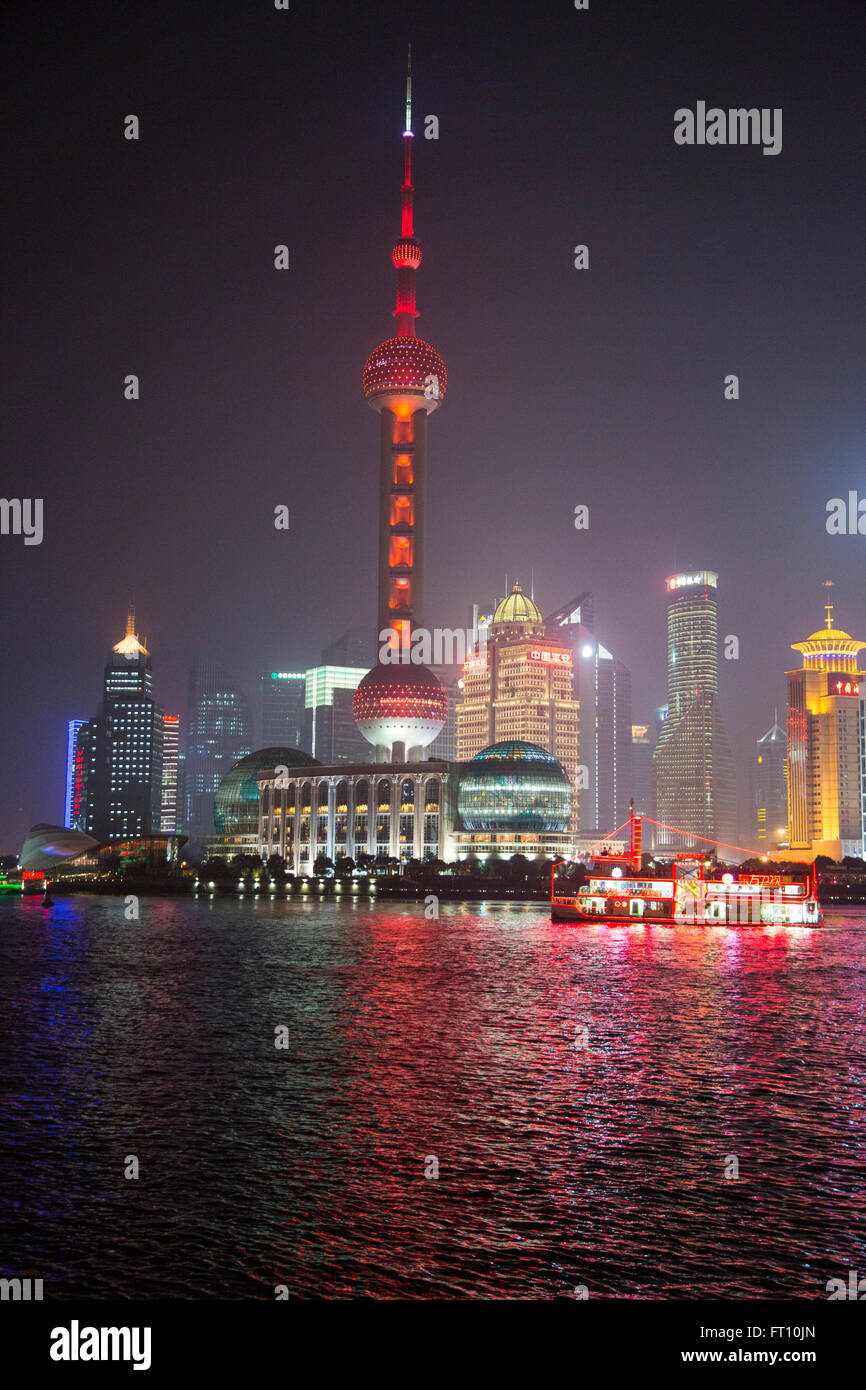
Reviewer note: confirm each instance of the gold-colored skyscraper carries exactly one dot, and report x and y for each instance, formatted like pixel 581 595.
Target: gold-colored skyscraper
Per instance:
pixel 824 797
pixel 520 685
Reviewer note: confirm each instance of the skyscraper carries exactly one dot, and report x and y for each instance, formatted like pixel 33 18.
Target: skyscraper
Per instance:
pixel 770 785
pixel 282 709
pixel 520 686
pixel 602 687
pixel 694 773
pixel 85 800
pixel 330 733
pixel 219 733
pixel 400 708
pixel 170 809
pixel 74 774
pixel 444 745
pixel 825 813
pixel 121 763
pixel 355 647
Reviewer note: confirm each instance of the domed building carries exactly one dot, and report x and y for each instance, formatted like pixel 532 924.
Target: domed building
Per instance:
pixel 517 613
pixel 400 709
pixel 236 804
pixel 825 698
pixel 519 685
pixel 514 798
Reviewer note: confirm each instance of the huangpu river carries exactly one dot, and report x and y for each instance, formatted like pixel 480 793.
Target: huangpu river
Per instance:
pixel 483 1106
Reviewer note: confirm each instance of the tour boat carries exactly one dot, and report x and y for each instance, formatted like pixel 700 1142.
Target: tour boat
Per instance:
pixel 619 890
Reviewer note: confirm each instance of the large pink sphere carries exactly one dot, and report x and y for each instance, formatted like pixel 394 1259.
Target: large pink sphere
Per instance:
pixel 400 704
pixel 404 367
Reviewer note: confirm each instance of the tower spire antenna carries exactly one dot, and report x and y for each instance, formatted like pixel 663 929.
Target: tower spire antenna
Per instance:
pixel 130 618
pixel 828 584
pixel 405 381
pixel 408 130
pixel 407 228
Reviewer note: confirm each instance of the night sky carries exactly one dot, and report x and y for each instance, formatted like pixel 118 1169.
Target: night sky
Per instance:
pixel 602 387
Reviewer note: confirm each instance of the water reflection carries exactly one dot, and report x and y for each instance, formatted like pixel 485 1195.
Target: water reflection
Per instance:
pixel 415 1040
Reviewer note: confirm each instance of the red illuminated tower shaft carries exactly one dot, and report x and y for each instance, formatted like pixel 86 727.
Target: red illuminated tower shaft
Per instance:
pixel 404 379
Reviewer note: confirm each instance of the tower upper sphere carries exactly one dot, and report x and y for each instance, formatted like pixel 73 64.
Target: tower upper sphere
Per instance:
pixel 405 373
pixel 407 368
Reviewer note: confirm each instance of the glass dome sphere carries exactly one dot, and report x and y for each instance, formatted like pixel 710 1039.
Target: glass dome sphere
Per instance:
pixel 236 804
pixel 514 786
pixel 400 703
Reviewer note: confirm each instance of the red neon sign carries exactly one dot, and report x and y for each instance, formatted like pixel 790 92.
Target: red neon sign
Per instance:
pixel 551 658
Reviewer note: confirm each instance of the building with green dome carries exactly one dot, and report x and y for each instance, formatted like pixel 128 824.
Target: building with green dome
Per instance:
pixel 236 804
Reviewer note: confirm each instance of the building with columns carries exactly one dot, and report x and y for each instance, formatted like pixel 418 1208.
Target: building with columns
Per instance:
pixel 401 810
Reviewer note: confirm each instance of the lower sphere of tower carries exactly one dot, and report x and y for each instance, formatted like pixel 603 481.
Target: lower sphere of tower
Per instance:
pixel 400 704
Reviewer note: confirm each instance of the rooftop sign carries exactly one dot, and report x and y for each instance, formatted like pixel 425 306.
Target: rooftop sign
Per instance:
pixel 689 581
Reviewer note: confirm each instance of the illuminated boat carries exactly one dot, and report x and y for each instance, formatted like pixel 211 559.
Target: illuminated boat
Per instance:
pixel 619 890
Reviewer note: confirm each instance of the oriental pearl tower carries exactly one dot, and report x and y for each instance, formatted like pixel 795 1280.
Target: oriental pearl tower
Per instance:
pixel 401 706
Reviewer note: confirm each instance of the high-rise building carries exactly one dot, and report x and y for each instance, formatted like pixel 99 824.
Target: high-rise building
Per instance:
pixel 695 786
pixel 770 785
pixel 331 734
pixel 356 647
pixel 121 749
pixel 602 687
pixel 282 709
pixel 170 810
pixel 520 686
pixel 74 774
pixel 444 746
pixel 85 802
pixel 219 733
pixel 400 708
pixel 825 809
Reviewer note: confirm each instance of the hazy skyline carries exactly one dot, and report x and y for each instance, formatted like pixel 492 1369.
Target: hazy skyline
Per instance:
pixel 602 387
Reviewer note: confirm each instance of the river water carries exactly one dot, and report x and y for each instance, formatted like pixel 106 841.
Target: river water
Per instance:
pixel 643 1112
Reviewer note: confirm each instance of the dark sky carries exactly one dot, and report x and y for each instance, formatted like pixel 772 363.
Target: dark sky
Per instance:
pixel 602 387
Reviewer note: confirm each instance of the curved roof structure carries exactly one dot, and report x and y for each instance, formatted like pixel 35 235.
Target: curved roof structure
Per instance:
pixel 514 786
pixel 236 804
pixel 400 703
pixel 830 649
pixel 518 609
pixel 46 846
